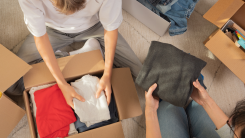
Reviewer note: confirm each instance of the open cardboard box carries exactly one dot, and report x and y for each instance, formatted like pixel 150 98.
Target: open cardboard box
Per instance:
pixel 150 19
pixel 72 67
pixel 219 43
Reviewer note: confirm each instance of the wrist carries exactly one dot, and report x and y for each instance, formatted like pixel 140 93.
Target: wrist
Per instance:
pixel 207 102
pixel 150 114
pixel 61 82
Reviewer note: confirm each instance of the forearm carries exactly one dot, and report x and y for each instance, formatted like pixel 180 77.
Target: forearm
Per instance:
pixel 110 38
pixel 152 125
pixel 218 117
pixel 46 51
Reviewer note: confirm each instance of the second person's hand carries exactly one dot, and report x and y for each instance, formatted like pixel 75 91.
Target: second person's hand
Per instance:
pixel 199 94
pixel 151 102
pixel 69 93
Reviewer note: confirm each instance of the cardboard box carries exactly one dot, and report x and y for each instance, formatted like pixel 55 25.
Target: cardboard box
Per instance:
pixel 72 67
pixel 153 21
pixel 220 44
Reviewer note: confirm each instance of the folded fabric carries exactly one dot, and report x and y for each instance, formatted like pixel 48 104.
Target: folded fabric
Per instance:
pixel 72 130
pixel 54 115
pixel 93 110
pixel 173 70
pixel 81 127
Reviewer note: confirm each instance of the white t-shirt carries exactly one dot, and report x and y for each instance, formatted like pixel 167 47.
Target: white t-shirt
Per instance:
pixel 41 13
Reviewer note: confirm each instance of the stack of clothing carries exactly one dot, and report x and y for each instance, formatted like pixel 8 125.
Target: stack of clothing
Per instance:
pixel 48 103
pixel 93 112
pixel 51 106
pixel 173 70
pixel 175 11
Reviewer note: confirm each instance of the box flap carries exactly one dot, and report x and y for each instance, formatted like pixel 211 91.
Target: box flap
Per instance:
pixel 227 52
pixel 10 115
pixel 222 11
pixel 110 131
pixel 150 19
pixel 238 18
pixel 29 115
pixel 125 93
pixel 71 66
pixel 12 68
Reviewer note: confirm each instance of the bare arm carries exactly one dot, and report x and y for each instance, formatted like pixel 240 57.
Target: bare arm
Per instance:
pixel 46 51
pixel 151 106
pixel 110 38
pixel 152 125
pixel 201 96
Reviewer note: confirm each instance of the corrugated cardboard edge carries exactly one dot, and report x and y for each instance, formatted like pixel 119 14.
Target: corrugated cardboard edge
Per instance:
pixel 103 132
pixel 29 115
pixel 125 93
pixel 40 74
pixel 222 11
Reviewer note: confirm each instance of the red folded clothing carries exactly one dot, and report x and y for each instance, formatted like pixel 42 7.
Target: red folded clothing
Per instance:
pixel 53 115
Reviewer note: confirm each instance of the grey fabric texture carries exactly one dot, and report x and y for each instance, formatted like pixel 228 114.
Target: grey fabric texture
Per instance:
pixel 173 70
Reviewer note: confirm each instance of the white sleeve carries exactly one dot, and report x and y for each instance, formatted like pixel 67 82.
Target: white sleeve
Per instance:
pixel 225 132
pixel 33 17
pixel 110 14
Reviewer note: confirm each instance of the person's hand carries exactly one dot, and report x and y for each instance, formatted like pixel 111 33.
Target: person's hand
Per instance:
pixel 69 93
pixel 151 102
pixel 105 85
pixel 199 94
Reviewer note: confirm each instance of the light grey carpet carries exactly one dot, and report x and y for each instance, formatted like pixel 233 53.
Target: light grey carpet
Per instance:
pixel 223 86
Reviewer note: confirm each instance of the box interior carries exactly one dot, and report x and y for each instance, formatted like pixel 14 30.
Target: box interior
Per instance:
pixel 29 102
pixel 75 67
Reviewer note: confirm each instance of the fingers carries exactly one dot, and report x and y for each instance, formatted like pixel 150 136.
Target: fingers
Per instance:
pixel 79 97
pixel 197 85
pixel 99 92
pixel 151 89
pixel 71 104
pixel 108 98
pixel 108 95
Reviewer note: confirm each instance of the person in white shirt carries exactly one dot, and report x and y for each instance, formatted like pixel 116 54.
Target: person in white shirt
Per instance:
pixel 57 23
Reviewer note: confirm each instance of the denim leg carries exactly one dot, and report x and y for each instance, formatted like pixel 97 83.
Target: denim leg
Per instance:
pixel 201 125
pixel 172 120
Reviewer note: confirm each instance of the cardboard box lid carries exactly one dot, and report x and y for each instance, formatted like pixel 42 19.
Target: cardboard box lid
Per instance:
pixel 71 67
pixel 12 68
pixel 228 53
pixel 222 11
pixel 125 93
pixel 10 115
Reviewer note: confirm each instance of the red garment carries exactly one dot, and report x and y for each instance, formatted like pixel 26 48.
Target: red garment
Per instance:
pixel 54 115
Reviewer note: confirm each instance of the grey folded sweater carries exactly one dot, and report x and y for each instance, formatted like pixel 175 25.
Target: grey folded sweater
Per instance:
pixel 173 70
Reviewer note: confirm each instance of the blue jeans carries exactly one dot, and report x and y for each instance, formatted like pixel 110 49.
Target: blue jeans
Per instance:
pixel 177 14
pixel 174 122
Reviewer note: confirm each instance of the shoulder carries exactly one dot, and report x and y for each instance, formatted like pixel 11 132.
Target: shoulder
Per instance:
pixel 30 2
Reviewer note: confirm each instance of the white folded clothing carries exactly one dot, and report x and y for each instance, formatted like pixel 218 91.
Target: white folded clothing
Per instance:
pixel 93 110
pixel 34 107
